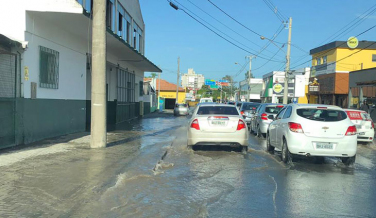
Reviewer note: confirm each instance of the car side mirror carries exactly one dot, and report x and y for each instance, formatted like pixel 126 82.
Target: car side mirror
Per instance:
pixel 271 117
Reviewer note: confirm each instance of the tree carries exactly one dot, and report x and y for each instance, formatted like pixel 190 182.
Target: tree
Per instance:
pixel 246 75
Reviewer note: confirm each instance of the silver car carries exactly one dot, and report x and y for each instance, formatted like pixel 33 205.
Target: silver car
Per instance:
pixel 217 124
pixel 181 109
pixel 248 110
pixel 261 120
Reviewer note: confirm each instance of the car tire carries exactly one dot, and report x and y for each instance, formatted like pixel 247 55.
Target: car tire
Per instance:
pixel 259 134
pixel 348 160
pixel 244 149
pixel 269 147
pixel 286 155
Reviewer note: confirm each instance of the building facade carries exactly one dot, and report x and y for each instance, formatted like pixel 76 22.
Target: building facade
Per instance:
pixel 251 91
pixel 331 64
pixel 192 81
pixel 52 43
pixel 273 86
pixel 167 91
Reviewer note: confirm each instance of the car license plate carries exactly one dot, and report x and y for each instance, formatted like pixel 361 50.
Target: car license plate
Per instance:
pixel 218 122
pixel 324 145
pixel 362 133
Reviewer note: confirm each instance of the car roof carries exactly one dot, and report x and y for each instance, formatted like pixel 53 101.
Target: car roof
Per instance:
pixel 314 106
pixel 267 104
pixel 216 105
pixel 349 109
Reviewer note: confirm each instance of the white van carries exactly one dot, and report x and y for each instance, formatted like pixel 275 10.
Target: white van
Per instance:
pixel 206 100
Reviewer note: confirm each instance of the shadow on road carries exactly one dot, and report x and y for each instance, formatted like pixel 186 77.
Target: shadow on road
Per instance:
pixel 215 148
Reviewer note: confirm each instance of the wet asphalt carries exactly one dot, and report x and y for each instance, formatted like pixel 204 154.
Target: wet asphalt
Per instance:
pixel 155 175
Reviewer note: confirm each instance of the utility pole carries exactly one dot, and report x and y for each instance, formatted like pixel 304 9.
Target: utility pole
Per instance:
pixel 159 90
pixel 249 75
pixel 98 77
pixel 177 83
pixel 286 89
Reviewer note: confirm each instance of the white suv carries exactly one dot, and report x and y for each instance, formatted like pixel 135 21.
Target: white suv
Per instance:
pixel 313 130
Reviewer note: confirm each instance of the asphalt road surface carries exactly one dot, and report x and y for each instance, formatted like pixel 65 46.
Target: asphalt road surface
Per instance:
pixel 160 177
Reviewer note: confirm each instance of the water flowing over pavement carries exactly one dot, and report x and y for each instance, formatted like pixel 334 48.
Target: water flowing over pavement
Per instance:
pixel 149 172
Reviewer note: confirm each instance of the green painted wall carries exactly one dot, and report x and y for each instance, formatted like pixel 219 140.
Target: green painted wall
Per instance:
pixel 46 118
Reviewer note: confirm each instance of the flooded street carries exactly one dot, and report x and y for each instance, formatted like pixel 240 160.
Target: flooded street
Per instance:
pixel 151 173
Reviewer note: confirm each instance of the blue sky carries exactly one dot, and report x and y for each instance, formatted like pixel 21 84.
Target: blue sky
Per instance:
pixel 171 33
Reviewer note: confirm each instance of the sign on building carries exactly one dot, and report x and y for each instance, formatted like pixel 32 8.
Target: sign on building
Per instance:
pixel 299 90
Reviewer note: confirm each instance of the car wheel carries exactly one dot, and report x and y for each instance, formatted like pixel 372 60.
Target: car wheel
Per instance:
pixel 286 155
pixel 269 147
pixel 259 134
pixel 244 149
pixel 348 160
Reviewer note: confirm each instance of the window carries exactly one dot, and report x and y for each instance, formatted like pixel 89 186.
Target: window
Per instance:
pixel 287 113
pixel 212 110
pixel 141 84
pixel 125 87
pixel 137 36
pixel 110 15
pixel 374 58
pixel 48 68
pixel 324 59
pixel 280 114
pixel 318 61
pixel 124 22
pixel 322 115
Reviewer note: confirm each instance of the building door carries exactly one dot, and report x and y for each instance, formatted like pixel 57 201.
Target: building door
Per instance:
pixel 7 99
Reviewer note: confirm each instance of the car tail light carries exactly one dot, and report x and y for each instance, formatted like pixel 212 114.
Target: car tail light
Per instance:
pixel 280 106
pixel 195 124
pixel 264 116
pixel 351 131
pixel 242 112
pixel 322 108
pixel 241 125
pixel 373 125
pixel 295 127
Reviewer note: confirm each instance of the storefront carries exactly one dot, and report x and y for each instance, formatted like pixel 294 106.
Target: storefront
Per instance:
pixel 362 86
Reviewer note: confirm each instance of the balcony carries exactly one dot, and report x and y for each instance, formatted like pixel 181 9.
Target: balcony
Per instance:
pixel 321 69
pixel 314 88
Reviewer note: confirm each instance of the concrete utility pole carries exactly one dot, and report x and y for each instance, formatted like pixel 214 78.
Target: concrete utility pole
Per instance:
pixel 98 77
pixel 249 75
pixel 286 89
pixel 159 90
pixel 177 82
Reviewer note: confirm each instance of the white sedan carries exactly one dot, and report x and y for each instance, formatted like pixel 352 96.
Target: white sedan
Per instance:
pixel 364 124
pixel 313 130
pixel 217 124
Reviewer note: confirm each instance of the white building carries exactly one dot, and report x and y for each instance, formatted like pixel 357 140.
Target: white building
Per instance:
pixel 51 40
pixel 251 90
pixel 273 86
pixel 192 81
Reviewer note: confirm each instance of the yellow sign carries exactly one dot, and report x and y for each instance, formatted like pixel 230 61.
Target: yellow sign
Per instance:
pixel 26 73
pixel 277 88
pixel 352 42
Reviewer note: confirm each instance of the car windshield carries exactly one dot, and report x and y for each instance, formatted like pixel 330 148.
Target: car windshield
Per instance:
pixel 249 106
pixel 323 115
pixel 217 110
pixel 273 109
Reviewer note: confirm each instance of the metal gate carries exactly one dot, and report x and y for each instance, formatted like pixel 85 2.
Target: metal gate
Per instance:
pixel 7 99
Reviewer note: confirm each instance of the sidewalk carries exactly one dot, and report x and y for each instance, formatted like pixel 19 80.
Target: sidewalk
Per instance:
pixel 59 177
pixel 117 135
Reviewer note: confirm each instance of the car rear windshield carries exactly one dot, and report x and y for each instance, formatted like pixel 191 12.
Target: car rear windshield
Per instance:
pixel 249 106
pixel 273 109
pixel 323 115
pixel 182 105
pixel 209 110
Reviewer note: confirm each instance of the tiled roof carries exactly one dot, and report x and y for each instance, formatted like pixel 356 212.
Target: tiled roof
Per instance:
pixel 165 86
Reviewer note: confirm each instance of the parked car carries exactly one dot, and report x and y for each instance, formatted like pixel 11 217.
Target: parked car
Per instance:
pixel 231 102
pixel 181 109
pixel 261 119
pixel 248 110
pixel 217 124
pixel 364 125
pixel 313 130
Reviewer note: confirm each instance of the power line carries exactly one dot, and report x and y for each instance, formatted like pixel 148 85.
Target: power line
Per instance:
pixel 338 45
pixel 225 25
pixel 363 16
pixel 215 31
pixel 241 23
pixel 274 10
